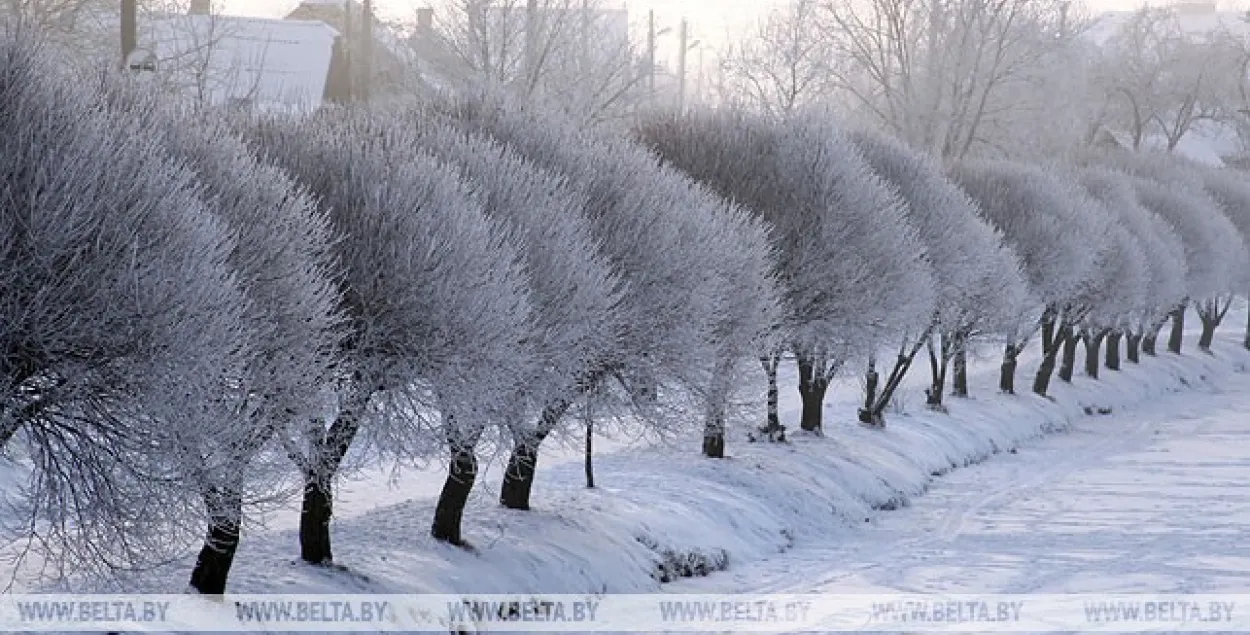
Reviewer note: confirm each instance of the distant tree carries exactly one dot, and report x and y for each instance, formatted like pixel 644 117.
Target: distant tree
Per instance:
pixel 439 320
pixel 852 267
pixel 573 55
pixel 942 75
pixel 1048 223
pixel 782 66
pixel 125 337
pixel 979 284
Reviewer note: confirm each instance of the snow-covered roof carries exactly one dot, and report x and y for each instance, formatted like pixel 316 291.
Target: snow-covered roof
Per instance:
pixel 267 63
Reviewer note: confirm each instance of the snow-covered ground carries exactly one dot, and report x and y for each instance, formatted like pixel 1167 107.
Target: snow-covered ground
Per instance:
pixel 1148 498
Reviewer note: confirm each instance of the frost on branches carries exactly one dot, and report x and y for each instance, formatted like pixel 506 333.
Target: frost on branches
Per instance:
pixel 125 333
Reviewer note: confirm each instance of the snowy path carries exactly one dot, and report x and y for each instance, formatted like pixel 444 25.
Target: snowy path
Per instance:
pixel 1148 501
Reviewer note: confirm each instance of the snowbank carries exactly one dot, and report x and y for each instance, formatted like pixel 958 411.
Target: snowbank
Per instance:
pixel 666 511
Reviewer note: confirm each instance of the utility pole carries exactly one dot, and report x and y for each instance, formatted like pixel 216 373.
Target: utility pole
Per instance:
pixel 682 37
pixel 366 51
pixel 651 52
pixel 531 44
pixel 129 30
pixel 349 60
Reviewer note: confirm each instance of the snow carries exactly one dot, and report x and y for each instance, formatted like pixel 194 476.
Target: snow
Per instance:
pixel 813 513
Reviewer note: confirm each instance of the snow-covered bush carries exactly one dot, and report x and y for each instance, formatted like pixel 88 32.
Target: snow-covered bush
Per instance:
pixel 979 283
pixel 672 244
pixel 1057 231
pixel 852 269
pixel 439 328
pixel 123 334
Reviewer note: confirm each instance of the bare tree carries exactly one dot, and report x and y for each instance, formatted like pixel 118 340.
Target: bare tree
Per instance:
pixel 1153 79
pixel 573 55
pixel 937 72
pixel 783 65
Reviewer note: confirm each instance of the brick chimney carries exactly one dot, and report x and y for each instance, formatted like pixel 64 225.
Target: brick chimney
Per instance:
pixel 201 7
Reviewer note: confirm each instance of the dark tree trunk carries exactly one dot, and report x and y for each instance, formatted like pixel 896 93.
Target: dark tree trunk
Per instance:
pixel 773 423
pixel 937 371
pixel 1149 343
pixel 1211 315
pixel 1093 356
pixel 1007 372
pixel 1177 335
pixel 959 382
pixel 1113 349
pixel 1067 366
pixel 812 386
pixel 317 508
pixel 589 463
pixel 1133 347
pixel 449 512
pixel 1246 340
pixel 212 567
pixel 868 413
pixel 314 521
pixel 518 479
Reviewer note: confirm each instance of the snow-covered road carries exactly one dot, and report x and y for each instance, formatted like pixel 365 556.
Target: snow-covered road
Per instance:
pixel 1153 501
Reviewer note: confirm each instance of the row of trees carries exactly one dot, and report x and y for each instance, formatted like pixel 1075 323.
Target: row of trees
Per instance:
pixel 198 310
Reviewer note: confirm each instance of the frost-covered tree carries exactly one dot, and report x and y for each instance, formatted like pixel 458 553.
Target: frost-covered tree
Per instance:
pixel 1048 224
pixel 1231 192
pixel 574 289
pixel 282 261
pixel 436 301
pixel 664 237
pixel 1215 253
pixel 852 268
pixel 1119 283
pixel 124 336
pixel 1162 273
pixel 980 286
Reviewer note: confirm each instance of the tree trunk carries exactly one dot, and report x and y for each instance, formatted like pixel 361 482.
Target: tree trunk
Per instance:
pixel 1093 356
pixel 812 387
pixel 959 383
pixel 773 422
pixel 1007 372
pixel 314 520
pixel 212 567
pixel 589 463
pixel 1132 347
pixel 1149 343
pixel 1210 315
pixel 449 512
pixel 937 371
pixel 867 414
pixel 1068 343
pixel 1113 349
pixel 329 450
pixel 1177 335
pixel 518 478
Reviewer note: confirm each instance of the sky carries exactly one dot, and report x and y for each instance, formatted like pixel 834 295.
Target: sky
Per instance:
pixel 710 21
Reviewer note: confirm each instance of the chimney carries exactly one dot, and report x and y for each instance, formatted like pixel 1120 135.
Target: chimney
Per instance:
pixel 201 7
pixel 425 19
